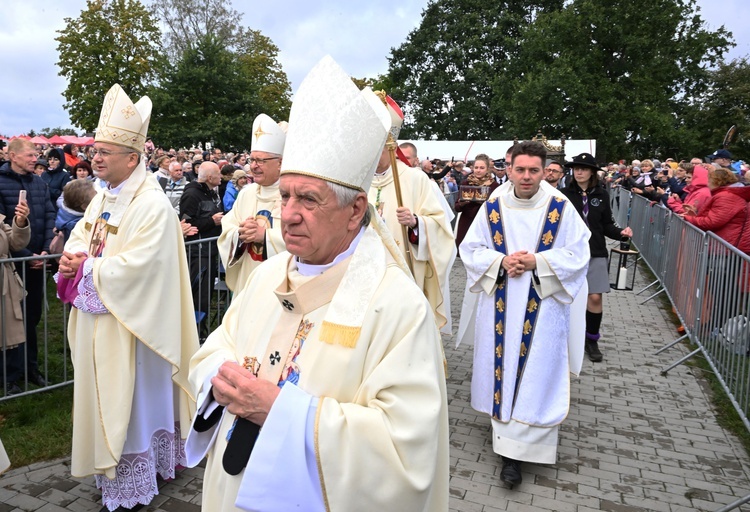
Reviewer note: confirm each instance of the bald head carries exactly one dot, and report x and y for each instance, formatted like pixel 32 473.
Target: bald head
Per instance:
pixel 209 173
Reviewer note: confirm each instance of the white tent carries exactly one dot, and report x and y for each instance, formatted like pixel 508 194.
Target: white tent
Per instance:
pixel 495 149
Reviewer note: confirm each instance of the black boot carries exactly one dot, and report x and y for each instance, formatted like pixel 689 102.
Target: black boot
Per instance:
pixel 511 472
pixel 592 348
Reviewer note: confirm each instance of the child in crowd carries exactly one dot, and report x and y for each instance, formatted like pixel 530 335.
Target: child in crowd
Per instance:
pixel 77 195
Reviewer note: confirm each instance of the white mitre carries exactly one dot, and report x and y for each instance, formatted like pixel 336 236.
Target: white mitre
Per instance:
pixel 122 122
pixel 336 132
pixel 268 136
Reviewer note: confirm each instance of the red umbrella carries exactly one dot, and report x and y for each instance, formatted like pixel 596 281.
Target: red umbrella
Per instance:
pixel 24 137
pixel 40 139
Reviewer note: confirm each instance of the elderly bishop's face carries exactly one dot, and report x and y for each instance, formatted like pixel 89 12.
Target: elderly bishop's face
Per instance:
pixel 315 228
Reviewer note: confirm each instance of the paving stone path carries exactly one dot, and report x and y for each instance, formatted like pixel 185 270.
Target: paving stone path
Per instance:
pixel 634 441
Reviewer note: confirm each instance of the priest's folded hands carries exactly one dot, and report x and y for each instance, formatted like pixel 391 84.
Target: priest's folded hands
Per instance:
pixel 242 393
pixel 518 263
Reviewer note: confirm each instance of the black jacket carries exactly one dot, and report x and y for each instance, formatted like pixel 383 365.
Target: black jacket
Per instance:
pixel 198 204
pixel 599 219
pixel 56 178
pixel 41 211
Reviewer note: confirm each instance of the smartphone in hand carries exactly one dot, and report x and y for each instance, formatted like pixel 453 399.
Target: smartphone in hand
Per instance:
pixel 22 196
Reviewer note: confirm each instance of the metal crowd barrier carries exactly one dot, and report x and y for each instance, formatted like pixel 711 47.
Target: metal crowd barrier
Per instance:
pixel 707 281
pixel 211 298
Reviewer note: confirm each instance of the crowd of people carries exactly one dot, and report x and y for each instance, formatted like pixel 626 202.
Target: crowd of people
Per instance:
pixel 326 375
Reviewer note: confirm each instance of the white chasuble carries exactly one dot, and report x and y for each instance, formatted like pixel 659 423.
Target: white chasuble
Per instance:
pixel 361 420
pixel 263 204
pixel 433 256
pixel 141 278
pixel 527 430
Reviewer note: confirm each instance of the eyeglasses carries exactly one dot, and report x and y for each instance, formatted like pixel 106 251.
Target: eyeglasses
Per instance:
pixel 553 169
pixel 104 153
pixel 261 161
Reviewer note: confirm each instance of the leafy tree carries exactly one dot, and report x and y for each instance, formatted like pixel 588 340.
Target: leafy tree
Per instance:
pixel 624 73
pixel 112 41
pixel 214 53
pixel 443 74
pixel 258 60
pixel 49 132
pixel 206 97
pixel 188 21
pixel 726 103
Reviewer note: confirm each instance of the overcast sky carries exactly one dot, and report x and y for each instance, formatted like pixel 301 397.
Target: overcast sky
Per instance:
pixel 359 35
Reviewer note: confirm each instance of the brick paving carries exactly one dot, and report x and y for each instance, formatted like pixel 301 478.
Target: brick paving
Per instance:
pixel 634 440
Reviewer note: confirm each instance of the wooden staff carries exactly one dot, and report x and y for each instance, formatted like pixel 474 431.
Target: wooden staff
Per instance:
pixel 391 145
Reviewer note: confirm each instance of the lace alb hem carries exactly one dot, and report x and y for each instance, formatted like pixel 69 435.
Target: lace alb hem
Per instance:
pixel 135 479
pixel 88 299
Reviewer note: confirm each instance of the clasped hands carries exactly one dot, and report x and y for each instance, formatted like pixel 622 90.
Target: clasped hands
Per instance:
pixel 69 263
pixel 251 231
pixel 242 393
pixel 519 262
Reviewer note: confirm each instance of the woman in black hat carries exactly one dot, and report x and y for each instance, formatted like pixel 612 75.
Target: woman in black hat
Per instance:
pixel 592 203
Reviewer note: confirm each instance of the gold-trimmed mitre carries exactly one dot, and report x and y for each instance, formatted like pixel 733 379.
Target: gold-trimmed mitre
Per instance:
pixel 268 135
pixel 122 122
pixel 336 133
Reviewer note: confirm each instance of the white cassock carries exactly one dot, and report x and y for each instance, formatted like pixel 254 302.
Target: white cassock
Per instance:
pixel 361 422
pixel 239 260
pixel 528 430
pixel 432 255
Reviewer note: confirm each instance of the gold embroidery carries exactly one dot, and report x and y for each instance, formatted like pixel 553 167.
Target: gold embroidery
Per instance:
pixel 526 327
pixel 500 305
pixel 128 112
pixel 547 238
pixel 523 349
pixel 498 238
pixel 499 328
pixel 499 351
pixel 498 374
pixel 252 364
pixel 493 200
pixel 501 285
pixel 495 217
pixel 554 216
pixel 259 132
pixel 532 305
pixel 497 397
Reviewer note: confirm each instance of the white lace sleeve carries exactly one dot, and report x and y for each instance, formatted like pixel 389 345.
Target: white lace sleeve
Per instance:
pixel 88 299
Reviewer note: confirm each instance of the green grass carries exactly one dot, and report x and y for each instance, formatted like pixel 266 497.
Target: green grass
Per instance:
pixel 39 427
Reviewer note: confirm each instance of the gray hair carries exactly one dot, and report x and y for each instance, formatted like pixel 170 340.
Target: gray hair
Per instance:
pixel 346 196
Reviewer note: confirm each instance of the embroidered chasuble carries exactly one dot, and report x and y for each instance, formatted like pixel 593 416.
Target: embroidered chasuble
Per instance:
pixel 432 256
pixel 239 260
pixel 131 361
pixel 361 421
pixel 533 396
